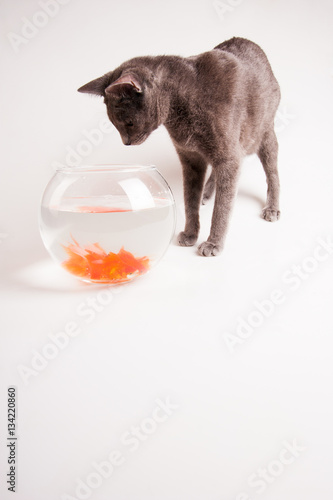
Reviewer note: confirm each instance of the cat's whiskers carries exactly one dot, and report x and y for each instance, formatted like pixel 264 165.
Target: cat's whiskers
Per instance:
pixel 189 139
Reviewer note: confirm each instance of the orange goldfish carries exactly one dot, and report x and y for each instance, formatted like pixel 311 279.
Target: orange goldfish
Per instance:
pixel 93 263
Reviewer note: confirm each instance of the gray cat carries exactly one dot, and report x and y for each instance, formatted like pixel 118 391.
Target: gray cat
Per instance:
pixel 217 107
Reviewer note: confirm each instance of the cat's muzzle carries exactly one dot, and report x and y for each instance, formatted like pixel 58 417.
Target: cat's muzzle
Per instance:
pixel 134 141
pixel 126 140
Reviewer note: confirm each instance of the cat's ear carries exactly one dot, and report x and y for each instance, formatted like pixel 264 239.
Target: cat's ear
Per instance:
pixel 125 85
pixel 96 86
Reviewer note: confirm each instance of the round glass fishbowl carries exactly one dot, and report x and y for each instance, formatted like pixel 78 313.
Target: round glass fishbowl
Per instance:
pixel 107 223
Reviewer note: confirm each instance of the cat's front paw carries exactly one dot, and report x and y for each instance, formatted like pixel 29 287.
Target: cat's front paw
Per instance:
pixel 187 240
pixel 270 214
pixel 208 249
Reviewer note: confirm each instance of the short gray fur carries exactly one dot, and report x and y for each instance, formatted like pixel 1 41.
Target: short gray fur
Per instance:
pixel 217 107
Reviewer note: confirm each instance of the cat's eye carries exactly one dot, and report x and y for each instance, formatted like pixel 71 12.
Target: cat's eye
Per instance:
pixel 129 124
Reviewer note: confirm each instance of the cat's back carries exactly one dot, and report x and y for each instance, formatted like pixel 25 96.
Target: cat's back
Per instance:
pixel 236 66
pixel 242 49
pixel 251 57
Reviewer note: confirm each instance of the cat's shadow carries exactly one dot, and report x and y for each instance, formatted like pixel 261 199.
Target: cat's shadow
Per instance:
pixel 251 196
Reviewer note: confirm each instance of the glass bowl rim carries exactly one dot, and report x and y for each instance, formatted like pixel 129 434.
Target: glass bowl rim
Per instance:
pixel 105 167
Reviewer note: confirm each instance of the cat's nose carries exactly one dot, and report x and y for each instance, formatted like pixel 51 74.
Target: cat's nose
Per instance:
pixel 126 139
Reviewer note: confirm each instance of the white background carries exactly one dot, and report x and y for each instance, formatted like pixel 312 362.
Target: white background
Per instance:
pixel 165 336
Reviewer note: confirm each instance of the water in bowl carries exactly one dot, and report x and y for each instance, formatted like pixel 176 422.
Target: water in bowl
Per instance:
pixel 103 240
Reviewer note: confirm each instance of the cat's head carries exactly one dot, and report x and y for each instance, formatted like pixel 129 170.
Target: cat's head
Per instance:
pixel 131 104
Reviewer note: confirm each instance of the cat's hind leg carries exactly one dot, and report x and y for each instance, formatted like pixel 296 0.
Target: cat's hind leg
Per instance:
pixel 268 153
pixel 209 188
pixel 194 170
